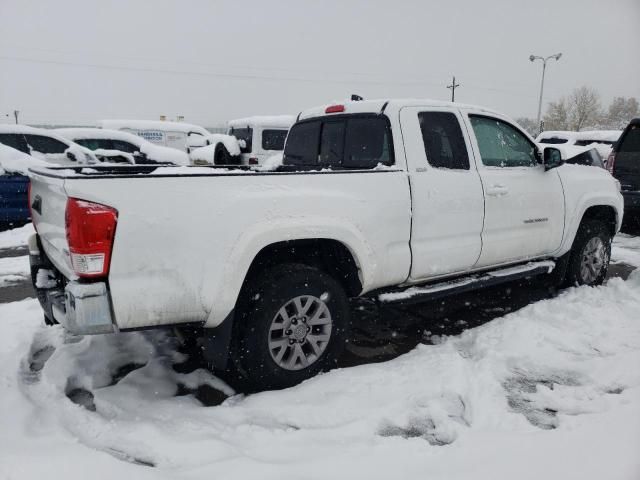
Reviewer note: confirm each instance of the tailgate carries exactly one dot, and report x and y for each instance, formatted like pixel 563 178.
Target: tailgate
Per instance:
pixel 48 202
pixel 627 170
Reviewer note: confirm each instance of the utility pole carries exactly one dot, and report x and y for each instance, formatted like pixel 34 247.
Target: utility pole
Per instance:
pixel 15 114
pixel 453 87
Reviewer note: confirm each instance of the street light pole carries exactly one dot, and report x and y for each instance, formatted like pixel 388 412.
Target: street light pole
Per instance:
pixel 533 58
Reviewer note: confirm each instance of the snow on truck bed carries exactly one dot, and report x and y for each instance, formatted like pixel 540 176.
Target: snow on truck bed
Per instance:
pixel 551 391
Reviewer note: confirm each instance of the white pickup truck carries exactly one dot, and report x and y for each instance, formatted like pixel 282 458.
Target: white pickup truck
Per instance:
pixel 400 200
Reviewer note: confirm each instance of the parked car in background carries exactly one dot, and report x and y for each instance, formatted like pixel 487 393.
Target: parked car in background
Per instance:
pixel 222 150
pixel 260 137
pixel 14 185
pixel 22 147
pixel 602 140
pixel 588 156
pixel 121 146
pixel 178 135
pixel 400 200
pixel 46 145
pixel 624 164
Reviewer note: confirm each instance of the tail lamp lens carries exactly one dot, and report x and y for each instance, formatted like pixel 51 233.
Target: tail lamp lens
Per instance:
pixel 90 229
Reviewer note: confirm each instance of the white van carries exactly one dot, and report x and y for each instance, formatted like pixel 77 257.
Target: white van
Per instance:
pixel 179 135
pixel 260 137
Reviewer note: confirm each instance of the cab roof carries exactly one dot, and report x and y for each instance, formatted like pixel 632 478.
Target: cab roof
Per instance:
pixel 376 106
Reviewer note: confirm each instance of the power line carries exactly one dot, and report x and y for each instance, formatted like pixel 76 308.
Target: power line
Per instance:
pixel 246 76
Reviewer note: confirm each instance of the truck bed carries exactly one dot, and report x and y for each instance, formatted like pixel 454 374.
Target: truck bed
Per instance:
pixel 186 236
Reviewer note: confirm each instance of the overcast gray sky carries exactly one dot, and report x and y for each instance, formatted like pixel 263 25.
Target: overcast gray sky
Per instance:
pixel 76 61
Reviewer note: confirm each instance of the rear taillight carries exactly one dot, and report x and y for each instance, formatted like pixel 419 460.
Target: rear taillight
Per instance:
pixel 90 228
pixel 253 161
pixel 611 162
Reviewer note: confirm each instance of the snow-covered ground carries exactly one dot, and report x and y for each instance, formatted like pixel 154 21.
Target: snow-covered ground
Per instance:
pixel 551 391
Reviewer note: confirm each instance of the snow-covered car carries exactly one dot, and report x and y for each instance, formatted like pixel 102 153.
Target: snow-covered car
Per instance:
pixel 260 137
pixel 602 140
pixel 178 135
pixel 121 146
pixel 14 184
pixel 401 201
pixel 589 156
pixel 222 150
pixel 45 144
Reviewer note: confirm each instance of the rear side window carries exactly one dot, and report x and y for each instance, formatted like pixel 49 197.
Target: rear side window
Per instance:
pixel 443 141
pixel 14 140
pixel 554 141
pixel 245 134
pixel 367 143
pixel 302 144
pixel 125 146
pixel 43 144
pixel 631 141
pixel 273 139
pixel 95 143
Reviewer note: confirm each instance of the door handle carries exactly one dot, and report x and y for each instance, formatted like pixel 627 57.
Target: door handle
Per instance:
pixel 497 190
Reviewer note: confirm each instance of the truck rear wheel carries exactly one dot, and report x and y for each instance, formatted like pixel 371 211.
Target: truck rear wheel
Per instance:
pixel 293 326
pixel 590 254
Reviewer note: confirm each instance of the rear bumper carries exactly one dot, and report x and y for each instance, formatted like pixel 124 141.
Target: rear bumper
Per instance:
pixel 81 308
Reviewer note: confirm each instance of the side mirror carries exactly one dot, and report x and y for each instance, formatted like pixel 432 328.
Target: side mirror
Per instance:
pixel 71 156
pixel 552 158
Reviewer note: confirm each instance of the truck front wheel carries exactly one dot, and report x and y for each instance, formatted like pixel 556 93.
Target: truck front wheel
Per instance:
pixel 293 325
pixel 590 254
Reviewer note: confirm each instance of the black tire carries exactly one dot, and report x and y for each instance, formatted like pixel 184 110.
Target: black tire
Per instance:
pixel 221 156
pixel 266 296
pixel 589 230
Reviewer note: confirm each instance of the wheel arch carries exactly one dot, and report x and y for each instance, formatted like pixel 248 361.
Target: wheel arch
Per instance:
pixel 329 255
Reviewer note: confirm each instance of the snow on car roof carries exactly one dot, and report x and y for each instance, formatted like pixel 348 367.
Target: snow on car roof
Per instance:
pixel 27 130
pixel 12 160
pixel 283 121
pixel 153 125
pixel 83 133
pixel 375 106
pixel 565 134
pixel 594 135
pixel 11 128
pixel 102 133
pixel 599 135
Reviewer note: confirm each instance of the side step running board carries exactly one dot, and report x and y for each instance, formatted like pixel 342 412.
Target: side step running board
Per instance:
pixel 433 291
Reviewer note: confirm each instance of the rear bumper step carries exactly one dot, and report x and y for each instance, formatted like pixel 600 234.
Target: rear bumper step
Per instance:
pixel 81 308
pixel 433 291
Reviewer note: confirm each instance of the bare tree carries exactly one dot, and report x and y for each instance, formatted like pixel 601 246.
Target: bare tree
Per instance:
pixel 621 111
pixel 557 116
pixel 584 108
pixel 580 110
pixel 529 124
